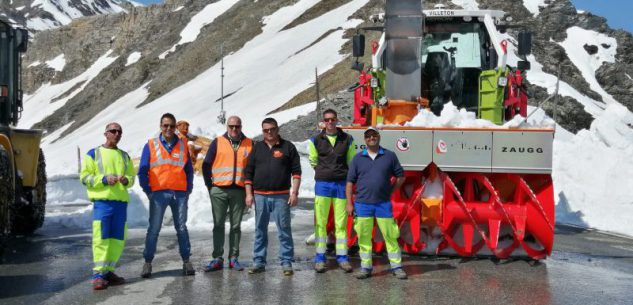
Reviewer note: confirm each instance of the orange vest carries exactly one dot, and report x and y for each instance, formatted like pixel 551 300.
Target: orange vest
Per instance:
pixel 167 171
pixel 228 166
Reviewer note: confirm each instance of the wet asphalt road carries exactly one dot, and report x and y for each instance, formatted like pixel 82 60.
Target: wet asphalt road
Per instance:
pixel 54 266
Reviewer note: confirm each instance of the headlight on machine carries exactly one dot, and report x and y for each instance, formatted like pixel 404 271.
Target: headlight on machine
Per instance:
pixel 502 81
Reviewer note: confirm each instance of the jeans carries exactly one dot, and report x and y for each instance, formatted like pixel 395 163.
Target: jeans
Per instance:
pixel 158 203
pixel 277 208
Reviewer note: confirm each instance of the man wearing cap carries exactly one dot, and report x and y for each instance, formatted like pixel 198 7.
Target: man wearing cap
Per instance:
pixel 108 172
pixel 330 153
pixel 182 130
pixel 371 170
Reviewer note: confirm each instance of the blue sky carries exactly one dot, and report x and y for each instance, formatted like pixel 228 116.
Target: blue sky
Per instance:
pixel 617 12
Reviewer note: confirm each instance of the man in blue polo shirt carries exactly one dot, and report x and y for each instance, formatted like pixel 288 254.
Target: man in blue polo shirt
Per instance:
pixel 371 170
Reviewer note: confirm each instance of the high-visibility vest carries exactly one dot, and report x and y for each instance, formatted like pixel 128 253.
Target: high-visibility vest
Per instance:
pixel 167 171
pixel 229 164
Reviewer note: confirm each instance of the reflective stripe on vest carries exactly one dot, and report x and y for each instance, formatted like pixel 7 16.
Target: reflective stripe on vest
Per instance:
pixel 99 162
pixel 165 171
pixel 229 164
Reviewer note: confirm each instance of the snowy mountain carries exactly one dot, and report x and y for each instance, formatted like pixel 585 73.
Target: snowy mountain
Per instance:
pixel 39 15
pixel 132 67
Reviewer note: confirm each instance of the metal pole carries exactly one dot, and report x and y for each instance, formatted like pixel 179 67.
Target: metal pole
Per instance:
pixel 78 160
pixel 318 98
pixel 222 116
pixel 556 93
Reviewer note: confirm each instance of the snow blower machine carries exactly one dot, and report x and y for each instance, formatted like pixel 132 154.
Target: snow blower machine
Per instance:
pixel 469 191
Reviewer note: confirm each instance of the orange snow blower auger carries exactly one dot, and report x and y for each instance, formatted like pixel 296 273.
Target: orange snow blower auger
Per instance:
pixel 469 191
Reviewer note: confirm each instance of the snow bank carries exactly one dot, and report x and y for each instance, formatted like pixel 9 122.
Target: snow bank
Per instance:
pixel 68 190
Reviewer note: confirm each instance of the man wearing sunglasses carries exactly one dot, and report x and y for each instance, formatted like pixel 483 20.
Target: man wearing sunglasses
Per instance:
pixel 271 165
pixel 166 176
pixel 371 170
pixel 107 172
pixel 223 172
pixel 330 153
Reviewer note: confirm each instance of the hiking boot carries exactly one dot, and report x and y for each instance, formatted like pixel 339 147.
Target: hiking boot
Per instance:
pixel 256 269
pixel 113 279
pixel 345 266
pixel 363 274
pixel 319 267
pixel 99 284
pixel 234 264
pixel 147 270
pixel 399 274
pixel 187 268
pixel 287 269
pixel 215 265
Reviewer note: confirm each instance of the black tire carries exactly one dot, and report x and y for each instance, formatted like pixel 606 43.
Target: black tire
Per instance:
pixel 6 192
pixel 26 218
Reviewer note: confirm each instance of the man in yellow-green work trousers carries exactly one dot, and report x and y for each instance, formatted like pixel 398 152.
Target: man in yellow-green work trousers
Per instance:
pixel 107 172
pixel 329 153
pixel 371 170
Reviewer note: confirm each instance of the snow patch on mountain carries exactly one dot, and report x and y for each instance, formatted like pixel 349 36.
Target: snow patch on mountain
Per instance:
pixel 533 6
pixel 133 58
pixel 206 16
pixel 48 98
pixel 577 39
pixel 467 4
pixel 57 63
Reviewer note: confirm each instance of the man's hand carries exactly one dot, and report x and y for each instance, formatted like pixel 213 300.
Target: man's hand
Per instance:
pixel 112 180
pixel 293 200
pixel 123 180
pixel 249 200
pixel 349 207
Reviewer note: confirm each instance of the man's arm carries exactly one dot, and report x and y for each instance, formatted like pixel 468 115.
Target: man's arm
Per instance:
pixel 349 207
pixel 90 176
pixel 352 176
pixel 130 172
pixel 351 150
pixel 313 154
pixel 296 175
pixel 143 171
pixel 208 162
pixel 398 172
pixel 249 173
pixel 189 174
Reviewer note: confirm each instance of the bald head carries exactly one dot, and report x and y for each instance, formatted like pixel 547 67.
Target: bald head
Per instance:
pixel 234 126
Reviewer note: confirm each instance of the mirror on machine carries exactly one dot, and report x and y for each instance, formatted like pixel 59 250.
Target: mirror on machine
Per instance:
pixel 358 45
pixel 525 43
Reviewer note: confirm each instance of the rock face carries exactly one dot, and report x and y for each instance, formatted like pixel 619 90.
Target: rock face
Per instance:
pixel 151 31
pixel 47 14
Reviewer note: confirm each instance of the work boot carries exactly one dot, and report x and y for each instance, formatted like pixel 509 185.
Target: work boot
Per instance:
pixel 345 266
pixel 287 269
pixel 256 269
pixel 187 268
pixel 319 267
pixel 363 274
pixel 215 264
pixel 113 279
pixel 99 284
pixel 234 264
pixel 399 274
pixel 147 270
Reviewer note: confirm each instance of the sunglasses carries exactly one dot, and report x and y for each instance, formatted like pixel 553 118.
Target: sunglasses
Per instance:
pixel 115 131
pixel 269 130
pixel 373 135
pixel 328 120
pixel 170 126
pixel 235 126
